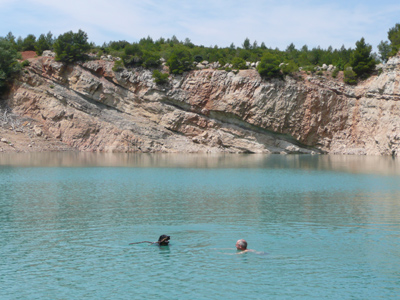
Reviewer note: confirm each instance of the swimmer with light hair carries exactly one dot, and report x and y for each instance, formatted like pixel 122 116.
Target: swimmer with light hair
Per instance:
pixel 241 245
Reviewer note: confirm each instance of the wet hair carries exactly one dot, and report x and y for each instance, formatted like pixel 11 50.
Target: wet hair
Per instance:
pixel 241 245
pixel 163 240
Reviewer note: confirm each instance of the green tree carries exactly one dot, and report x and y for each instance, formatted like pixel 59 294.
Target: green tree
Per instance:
pixel 361 60
pixel 255 45
pixel 8 63
pixel 133 55
pixel 289 68
pixel 11 38
pixel 394 38
pixel 384 50
pixel 150 59
pixel 18 44
pixel 239 63
pixel 70 47
pixel 174 40
pixel 314 56
pixel 116 45
pixel 198 58
pixel 269 66
pixel 44 42
pixel 188 43
pixel 29 43
pixel 290 48
pixel 246 44
pixel 179 61
pixel 244 54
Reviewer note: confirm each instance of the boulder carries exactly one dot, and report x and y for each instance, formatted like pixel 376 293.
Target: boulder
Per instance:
pixel 49 53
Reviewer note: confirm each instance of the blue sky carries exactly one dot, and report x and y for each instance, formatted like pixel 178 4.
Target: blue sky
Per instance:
pixel 207 22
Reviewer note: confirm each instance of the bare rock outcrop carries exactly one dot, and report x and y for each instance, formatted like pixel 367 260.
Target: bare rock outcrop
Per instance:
pixel 89 107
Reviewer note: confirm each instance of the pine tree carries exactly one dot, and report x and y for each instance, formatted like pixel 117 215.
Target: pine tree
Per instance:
pixel 361 60
pixel 384 50
pixel 70 47
pixel 394 38
pixel 44 42
pixel 8 62
pixel 246 44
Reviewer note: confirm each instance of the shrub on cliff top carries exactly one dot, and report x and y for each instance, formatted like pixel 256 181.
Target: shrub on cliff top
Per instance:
pixel 239 63
pixel 269 66
pixel 70 47
pixel 150 59
pixel 179 61
pixel 289 68
pixel 132 55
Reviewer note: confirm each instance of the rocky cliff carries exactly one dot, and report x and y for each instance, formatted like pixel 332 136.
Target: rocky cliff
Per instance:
pixel 88 107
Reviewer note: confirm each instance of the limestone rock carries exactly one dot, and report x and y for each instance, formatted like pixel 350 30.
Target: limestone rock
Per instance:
pixel 89 107
pixel 38 131
pixel 49 53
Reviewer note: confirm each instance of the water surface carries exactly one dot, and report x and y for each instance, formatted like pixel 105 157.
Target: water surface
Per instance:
pixel 328 226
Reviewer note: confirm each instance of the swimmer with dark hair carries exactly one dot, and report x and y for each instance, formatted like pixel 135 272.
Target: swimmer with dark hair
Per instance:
pixel 163 240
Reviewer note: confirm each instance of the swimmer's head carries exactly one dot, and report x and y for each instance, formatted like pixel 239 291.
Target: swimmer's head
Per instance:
pixel 163 240
pixel 241 245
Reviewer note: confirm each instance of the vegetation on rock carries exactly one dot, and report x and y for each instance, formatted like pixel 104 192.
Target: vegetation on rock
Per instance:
pixel 361 59
pixel 180 60
pixel 159 77
pixel 269 66
pixel 394 38
pixel 70 47
pixel 387 49
pixel 350 77
pixel 8 62
pixel 182 56
pixel 44 42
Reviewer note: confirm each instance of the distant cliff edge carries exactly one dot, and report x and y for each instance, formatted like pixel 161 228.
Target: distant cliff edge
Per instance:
pixel 89 107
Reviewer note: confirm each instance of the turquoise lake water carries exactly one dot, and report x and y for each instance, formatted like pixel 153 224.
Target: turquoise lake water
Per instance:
pixel 324 227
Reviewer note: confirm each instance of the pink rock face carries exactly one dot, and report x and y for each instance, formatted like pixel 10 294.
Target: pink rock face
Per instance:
pixel 89 107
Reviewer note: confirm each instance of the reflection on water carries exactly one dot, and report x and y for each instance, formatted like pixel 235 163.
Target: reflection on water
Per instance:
pixel 353 164
pixel 329 225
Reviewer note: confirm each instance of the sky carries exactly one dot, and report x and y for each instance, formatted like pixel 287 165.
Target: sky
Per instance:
pixel 208 22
